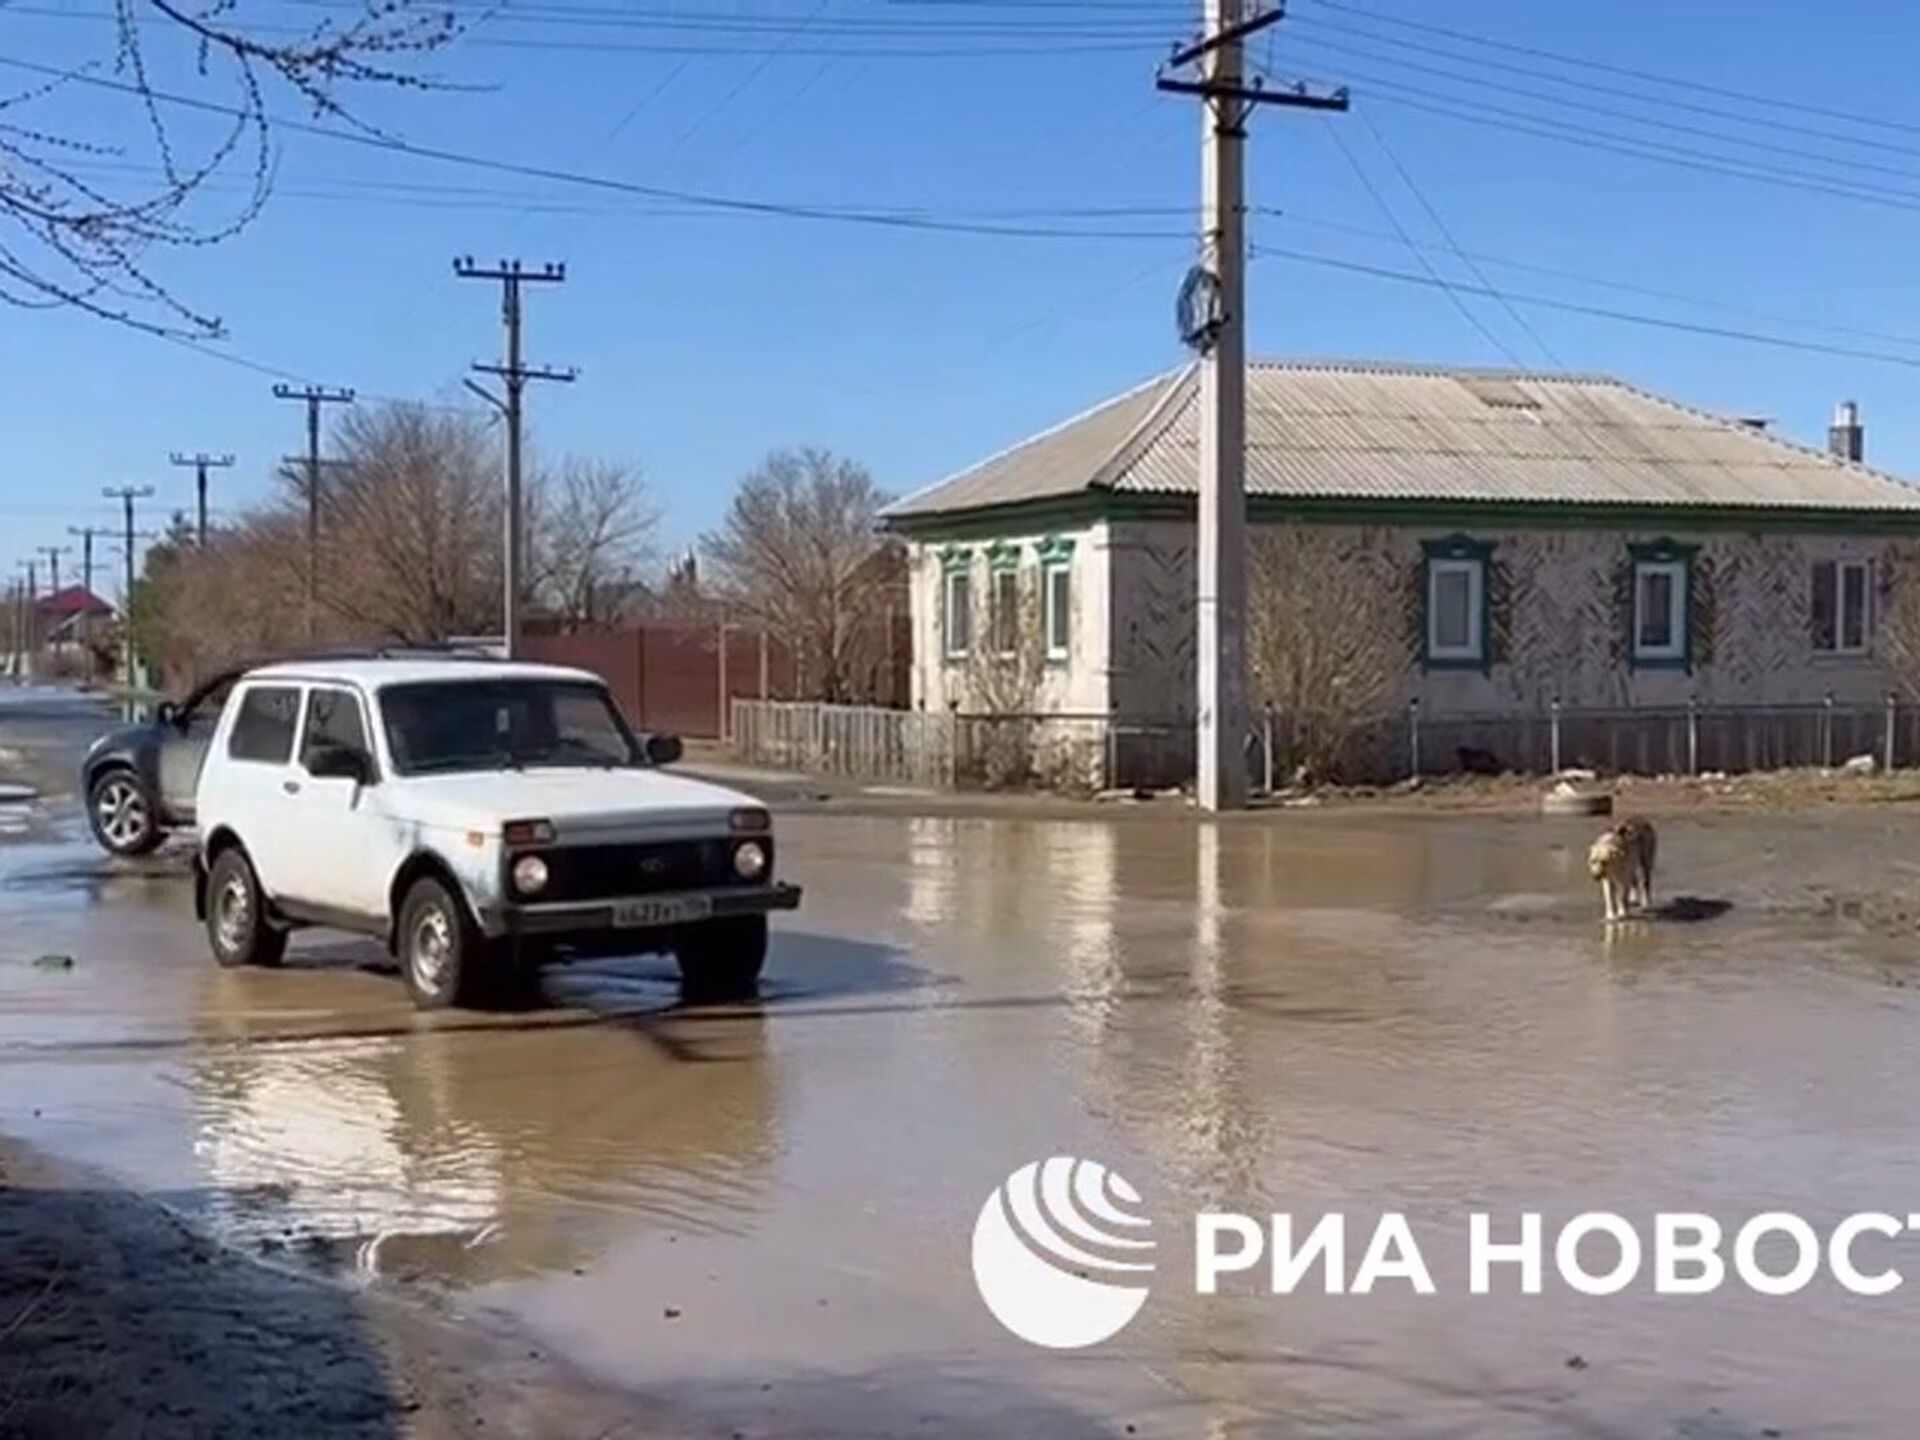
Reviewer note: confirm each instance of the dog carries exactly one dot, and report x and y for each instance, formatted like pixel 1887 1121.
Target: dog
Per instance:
pixel 1622 861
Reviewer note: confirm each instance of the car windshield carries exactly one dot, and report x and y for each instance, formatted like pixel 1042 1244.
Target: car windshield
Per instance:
pixel 446 725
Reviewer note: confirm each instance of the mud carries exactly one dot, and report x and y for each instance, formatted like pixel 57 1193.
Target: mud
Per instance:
pixel 755 1218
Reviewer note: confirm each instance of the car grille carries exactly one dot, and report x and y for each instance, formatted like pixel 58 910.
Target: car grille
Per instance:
pixel 599 872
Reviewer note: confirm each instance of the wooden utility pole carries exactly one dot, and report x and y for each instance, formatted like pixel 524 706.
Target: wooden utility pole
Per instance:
pixel 85 534
pixel 514 373
pixel 313 397
pixel 1213 320
pixel 126 495
pixel 53 554
pixel 27 617
pixel 201 463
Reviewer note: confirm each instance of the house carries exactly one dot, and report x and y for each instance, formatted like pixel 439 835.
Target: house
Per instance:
pixel 1490 543
pixel 62 617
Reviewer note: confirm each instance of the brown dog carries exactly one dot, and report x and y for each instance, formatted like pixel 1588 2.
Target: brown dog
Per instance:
pixel 1622 861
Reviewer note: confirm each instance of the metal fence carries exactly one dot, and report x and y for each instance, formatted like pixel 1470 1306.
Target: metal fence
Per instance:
pixel 1683 740
pixel 943 750
pixel 948 750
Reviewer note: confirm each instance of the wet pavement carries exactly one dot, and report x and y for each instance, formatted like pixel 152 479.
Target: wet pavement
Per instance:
pixel 759 1214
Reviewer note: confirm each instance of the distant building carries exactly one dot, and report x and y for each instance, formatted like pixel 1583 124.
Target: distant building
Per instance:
pixel 62 616
pixel 1524 538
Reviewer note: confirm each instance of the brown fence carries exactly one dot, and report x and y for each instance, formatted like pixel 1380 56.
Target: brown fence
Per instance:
pixel 673 677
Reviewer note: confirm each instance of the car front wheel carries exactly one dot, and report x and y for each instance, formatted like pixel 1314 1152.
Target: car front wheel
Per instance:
pixel 438 947
pixel 237 924
pixel 123 814
pixel 722 959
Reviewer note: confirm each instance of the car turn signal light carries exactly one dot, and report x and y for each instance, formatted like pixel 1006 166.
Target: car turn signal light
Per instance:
pixel 527 832
pixel 749 820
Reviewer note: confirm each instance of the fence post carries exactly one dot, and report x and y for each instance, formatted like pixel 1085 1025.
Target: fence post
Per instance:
pixel 1693 734
pixel 1413 735
pixel 1267 747
pixel 1888 765
pixel 1553 707
pixel 1826 740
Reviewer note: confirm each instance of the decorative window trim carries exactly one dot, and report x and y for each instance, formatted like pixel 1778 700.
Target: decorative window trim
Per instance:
pixel 1457 552
pixel 1003 555
pixel 1671 556
pixel 956 566
pixel 1055 549
pixel 1052 563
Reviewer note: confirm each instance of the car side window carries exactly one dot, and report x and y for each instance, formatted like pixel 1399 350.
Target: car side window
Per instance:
pixel 263 730
pixel 333 720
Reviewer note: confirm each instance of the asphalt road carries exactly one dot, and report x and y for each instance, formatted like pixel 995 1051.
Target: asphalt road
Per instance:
pixel 758 1216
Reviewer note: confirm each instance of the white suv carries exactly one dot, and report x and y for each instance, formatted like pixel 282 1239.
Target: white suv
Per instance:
pixel 481 817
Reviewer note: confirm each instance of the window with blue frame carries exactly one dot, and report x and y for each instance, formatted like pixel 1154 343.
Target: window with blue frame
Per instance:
pixel 1455 629
pixel 1662 604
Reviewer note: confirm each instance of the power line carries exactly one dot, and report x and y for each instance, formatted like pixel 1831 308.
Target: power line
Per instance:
pixel 1380 201
pixel 1770 102
pixel 1293 218
pixel 745 205
pixel 1612 111
pixel 1700 162
pixel 1768 119
pixel 1465 259
pixel 1574 307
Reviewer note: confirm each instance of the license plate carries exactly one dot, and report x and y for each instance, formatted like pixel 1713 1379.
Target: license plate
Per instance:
pixel 674 911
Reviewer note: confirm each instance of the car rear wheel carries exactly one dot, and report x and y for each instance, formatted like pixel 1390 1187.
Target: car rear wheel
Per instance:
pixel 440 951
pixel 722 959
pixel 237 924
pixel 122 811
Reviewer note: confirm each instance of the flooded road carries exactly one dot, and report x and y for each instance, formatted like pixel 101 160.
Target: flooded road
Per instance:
pixel 760 1214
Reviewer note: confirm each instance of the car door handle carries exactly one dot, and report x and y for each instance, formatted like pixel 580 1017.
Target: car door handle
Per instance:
pixel 292 787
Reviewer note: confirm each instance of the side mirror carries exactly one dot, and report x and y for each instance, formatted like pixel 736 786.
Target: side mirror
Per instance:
pixel 167 713
pixel 338 762
pixel 663 749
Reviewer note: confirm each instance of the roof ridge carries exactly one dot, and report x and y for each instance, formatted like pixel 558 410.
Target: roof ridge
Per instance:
pixel 1767 435
pixel 1034 439
pixel 1152 425
pixel 1415 367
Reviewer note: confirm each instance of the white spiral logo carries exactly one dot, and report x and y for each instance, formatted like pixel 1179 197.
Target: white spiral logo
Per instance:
pixel 1051 1257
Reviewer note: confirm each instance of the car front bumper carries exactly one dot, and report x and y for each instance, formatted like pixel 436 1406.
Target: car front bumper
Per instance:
pixel 613 916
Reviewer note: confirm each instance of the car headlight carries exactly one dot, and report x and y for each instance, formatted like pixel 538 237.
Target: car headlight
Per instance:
pixel 749 859
pixel 529 874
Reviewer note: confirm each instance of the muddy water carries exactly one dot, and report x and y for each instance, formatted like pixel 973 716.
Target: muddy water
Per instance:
pixel 760 1214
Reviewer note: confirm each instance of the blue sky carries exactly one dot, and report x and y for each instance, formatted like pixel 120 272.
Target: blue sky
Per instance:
pixel 705 339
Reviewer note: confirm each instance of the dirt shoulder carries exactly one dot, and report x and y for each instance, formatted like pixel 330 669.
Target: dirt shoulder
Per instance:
pixel 1784 791
pixel 118 1320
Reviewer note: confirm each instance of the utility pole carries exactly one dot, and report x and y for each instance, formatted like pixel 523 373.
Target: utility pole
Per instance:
pixel 201 463
pixel 313 396
pixel 1213 321
pixel 53 554
pixel 27 617
pixel 86 534
pixel 126 495
pixel 512 274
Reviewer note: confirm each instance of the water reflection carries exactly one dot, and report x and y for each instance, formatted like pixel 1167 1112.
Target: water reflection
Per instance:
pixel 483 1152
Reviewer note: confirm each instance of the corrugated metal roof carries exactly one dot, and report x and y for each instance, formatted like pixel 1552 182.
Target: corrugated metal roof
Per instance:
pixel 1376 432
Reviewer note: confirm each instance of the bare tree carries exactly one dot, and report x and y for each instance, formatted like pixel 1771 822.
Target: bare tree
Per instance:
pixel 592 528
pixel 82 214
pixel 1325 639
pixel 411 524
pixel 798 553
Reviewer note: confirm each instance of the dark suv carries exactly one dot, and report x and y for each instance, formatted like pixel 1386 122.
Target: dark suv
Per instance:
pixel 139 779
